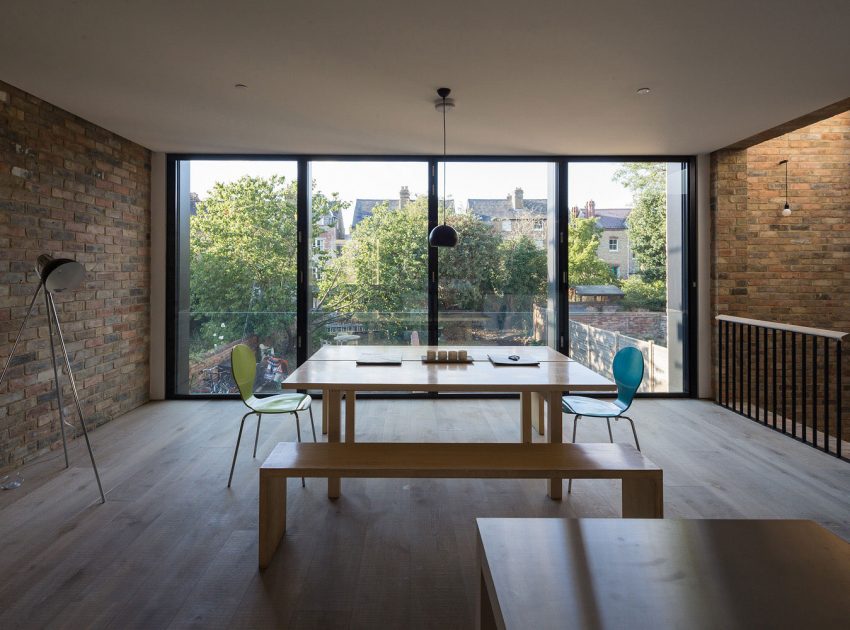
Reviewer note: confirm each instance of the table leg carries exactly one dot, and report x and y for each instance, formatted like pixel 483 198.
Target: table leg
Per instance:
pixel 334 411
pixel 325 404
pixel 555 435
pixel 537 415
pixel 525 417
pixel 350 397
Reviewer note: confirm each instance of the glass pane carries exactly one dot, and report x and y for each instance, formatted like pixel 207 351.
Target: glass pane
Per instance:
pixel 369 272
pixel 493 286
pixel 625 266
pixel 236 255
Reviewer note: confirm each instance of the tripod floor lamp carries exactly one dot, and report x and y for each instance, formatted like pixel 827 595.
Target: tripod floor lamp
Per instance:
pixel 55 276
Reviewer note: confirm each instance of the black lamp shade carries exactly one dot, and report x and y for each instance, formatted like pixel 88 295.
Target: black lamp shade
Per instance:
pixel 59 274
pixel 443 236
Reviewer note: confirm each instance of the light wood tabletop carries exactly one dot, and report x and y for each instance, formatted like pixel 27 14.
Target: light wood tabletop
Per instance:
pixel 414 375
pixel 636 573
pixel 536 384
pixel 415 353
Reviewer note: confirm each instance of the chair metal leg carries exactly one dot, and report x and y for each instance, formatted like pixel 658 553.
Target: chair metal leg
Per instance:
pixel 312 424
pixel 610 435
pixel 575 425
pixel 257 437
pixel 236 450
pixel 298 430
pixel 637 444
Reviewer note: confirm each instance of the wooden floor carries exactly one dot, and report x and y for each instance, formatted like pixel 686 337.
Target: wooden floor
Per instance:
pixel 174 548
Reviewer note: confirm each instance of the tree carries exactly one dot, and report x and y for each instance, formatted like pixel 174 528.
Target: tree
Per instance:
pixel 585 266
pixel 521 278
pixel 242 261
pixel 468 271
pixel 648 218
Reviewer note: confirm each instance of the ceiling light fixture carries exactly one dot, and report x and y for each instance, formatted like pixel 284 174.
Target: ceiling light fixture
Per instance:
pixel 786 211
pixel 644 91
pixel 240 86
pixel 443 235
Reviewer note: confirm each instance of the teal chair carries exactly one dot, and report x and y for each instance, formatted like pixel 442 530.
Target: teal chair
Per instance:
pixel 628 374
pixel 243 362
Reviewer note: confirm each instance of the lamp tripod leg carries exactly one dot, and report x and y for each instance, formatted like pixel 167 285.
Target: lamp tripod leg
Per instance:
pixel 52 310
pixel 20 331
pixel 48 303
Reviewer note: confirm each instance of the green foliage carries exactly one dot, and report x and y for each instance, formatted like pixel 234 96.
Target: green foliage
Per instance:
pixel 468 271
pixel 585 266
pixel 382 269
pixel 522 275
pixel 242 263
pixel 644 296
pixel 648 219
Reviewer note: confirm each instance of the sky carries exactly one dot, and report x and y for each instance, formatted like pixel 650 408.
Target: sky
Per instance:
pixel 465 180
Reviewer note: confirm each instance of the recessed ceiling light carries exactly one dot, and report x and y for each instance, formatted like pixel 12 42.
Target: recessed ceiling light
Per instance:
pixel 241 86
pixel 644 91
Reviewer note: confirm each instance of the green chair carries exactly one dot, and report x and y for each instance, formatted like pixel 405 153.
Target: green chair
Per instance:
pixel 243 362
pixel 628 374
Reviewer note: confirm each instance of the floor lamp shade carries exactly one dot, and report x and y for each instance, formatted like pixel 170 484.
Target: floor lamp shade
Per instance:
pixel 59 274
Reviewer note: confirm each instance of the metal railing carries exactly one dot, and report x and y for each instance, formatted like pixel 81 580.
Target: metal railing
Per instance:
pixel 783 376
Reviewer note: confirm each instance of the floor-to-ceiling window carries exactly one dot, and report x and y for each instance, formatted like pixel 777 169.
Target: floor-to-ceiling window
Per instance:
pixel 369 257
pixel 625 279
pixel 235 266
pixel 587 256
pixel 494 285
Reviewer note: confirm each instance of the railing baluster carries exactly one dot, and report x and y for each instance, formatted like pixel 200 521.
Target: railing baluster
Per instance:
pixel 773 384
pixel 826 395
pixel 733 366
pixel 727 363
pixel 749 370
pixel 758 374
pixel 720 363
pixel 838 386
pixel 741 367
pixel 784 383
pixel 766 378
pixel 815 392
pixel 805 384
pixel 794 384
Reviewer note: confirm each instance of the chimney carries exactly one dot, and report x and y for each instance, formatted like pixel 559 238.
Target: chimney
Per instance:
pixel 518 201
pixel 574 212
pixel 403 197
pixel 590 209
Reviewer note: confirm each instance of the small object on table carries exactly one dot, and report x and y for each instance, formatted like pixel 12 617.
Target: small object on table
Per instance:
pixel 442 355
pixel 431 355
pixel 368 358
pixel 461 356
pixel 452 356
pixel 510 359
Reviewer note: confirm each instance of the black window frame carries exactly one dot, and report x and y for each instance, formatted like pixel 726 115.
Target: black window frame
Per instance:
pixel 561 219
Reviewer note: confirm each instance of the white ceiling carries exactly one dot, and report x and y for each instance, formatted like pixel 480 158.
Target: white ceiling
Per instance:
pixel 532 77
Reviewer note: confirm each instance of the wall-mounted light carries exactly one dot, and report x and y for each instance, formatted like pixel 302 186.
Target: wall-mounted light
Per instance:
pixel 786 211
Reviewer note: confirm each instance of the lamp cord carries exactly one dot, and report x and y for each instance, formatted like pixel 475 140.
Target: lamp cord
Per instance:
pixel 444 160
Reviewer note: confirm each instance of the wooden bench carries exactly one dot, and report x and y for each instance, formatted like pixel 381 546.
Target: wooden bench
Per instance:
pixel 642 480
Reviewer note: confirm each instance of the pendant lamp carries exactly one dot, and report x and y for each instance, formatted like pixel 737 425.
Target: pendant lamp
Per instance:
pixel 443 235
pixel 786 211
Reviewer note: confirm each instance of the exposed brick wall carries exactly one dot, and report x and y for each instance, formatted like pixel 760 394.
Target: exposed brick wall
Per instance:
pixel 646 325
pixel 795 269
pixel 72 189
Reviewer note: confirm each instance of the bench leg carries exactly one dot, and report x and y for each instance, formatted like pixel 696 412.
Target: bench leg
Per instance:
pixel 334 412
pixel 555 434
pixel 643 497
pixel 272 516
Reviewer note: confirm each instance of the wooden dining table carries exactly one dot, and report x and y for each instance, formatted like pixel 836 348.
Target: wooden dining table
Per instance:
pixel 335 371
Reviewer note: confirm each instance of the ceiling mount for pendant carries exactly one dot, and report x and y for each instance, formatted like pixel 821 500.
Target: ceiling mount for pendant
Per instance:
pixel 443 235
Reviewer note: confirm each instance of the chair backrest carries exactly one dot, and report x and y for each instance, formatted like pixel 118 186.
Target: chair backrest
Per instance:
pixel 243 364
pixel 628 374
